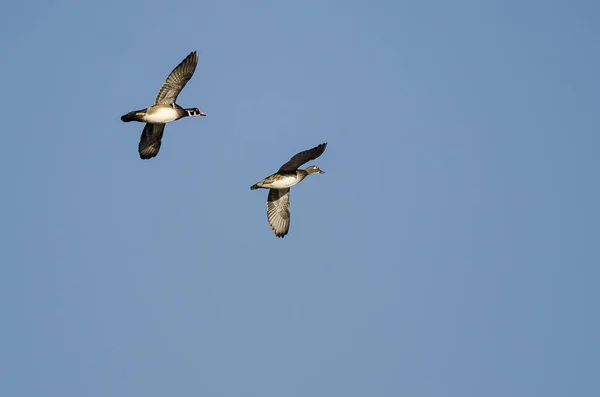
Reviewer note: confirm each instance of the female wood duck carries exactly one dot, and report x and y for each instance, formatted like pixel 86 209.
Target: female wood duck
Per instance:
pixel 164 110
pixel 279 184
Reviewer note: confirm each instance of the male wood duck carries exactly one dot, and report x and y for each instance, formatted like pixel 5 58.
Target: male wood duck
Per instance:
pixel 164 110
pixel 279 184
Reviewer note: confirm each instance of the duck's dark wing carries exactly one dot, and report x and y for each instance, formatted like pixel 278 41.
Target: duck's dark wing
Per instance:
pixel 278 211
pixel 150 140
pixel 177 80
pixel 303 157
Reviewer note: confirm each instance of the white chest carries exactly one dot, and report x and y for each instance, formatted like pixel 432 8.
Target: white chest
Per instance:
pixel 162 115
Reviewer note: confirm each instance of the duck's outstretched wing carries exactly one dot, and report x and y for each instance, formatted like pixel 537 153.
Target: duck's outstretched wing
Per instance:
pixel 278 211
pixel 150 140
pixel 177 80
pixel 303 157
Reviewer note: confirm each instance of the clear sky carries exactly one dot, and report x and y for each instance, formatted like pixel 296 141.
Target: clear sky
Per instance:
pixel 451 248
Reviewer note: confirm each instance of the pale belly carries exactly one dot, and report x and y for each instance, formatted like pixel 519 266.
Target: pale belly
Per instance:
pixel 162 115
pixel 282 183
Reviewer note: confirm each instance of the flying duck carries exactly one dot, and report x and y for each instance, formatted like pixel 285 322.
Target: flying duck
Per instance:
pixel 164 110
pixel 279 184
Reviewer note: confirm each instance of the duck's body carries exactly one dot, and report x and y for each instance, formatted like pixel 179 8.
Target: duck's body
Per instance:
pixel 281 180
pixel 161 114
pixel 279 184
pixel 164 110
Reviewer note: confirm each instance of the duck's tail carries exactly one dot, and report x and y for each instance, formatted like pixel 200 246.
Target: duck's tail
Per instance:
pixel 128 117
pixel 136 115
pixel 254 187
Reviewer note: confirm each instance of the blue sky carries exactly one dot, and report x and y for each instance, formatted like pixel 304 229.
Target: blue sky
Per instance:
pixel 451 248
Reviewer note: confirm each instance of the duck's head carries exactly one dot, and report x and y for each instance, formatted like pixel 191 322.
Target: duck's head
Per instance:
pixel 193 112
pixel 314 169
